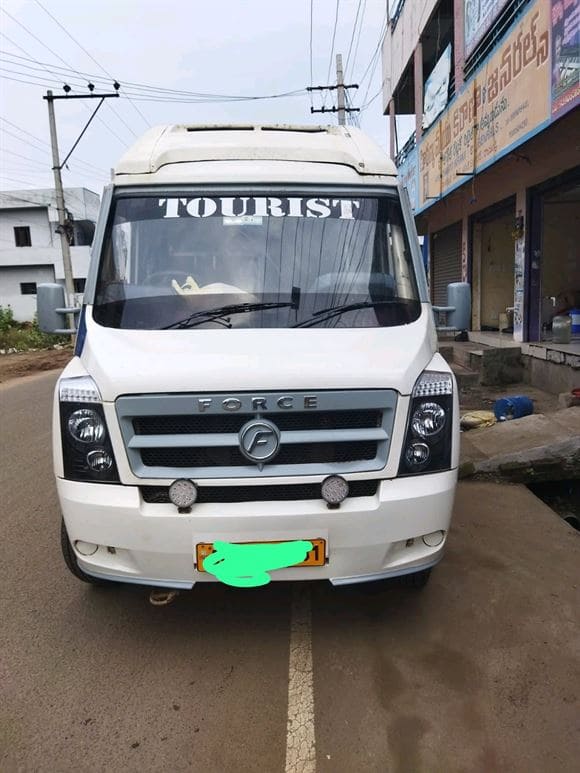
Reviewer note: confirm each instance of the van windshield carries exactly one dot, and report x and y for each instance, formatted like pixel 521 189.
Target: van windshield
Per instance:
pixel 183 261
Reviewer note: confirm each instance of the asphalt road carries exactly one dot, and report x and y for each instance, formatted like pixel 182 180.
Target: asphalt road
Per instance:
pixel 478 672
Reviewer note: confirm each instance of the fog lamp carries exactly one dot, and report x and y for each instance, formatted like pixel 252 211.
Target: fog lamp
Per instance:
pixel 417 455
pixel 99 460
pixel 334 490
pixel 183 493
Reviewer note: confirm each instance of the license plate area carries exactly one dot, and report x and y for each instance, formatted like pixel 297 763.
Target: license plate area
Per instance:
pixel 315 557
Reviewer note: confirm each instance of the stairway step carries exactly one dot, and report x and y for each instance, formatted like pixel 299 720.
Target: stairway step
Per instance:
pixel 446 351
pixel 465 377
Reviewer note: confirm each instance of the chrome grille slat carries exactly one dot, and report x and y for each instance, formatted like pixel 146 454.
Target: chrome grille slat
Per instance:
pixel 231 440
pixel 192 435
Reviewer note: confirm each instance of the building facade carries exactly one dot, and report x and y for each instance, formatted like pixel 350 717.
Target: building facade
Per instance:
pixel 493 166
pixel 30 251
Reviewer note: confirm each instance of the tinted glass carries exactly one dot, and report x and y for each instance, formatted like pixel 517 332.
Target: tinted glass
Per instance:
pixel 167 259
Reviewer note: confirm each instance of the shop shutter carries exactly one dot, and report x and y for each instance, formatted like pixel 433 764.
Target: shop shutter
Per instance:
pixel 445 261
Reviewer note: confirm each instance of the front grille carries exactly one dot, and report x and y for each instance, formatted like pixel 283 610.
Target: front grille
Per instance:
pixel 228 494
pixel 196 436
pixel 194 425
pixel 312 453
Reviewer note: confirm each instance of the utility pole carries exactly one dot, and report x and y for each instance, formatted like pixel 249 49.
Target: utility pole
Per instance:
pixel 340 92
pixel 340 89
pixel 60 206
pixel 63 221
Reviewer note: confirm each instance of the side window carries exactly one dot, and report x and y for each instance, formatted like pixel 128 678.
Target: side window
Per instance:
pixel 22 236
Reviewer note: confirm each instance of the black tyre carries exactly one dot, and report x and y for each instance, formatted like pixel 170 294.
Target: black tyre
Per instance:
pixel 70 560
pixel 416 580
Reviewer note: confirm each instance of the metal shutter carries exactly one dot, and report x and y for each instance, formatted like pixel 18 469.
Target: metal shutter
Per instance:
pixel 445 261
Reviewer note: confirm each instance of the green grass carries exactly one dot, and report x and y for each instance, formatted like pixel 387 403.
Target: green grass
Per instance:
pixel 24 336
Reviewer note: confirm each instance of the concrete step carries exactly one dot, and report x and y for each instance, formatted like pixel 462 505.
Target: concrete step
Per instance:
pixel 471 357
pixel 465 377
pixel 446 351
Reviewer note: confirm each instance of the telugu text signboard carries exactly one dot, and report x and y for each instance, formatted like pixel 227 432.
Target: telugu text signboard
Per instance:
pixel 507 100
pixel 565 56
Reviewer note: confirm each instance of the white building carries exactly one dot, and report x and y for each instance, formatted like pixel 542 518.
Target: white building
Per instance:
pixel 30 251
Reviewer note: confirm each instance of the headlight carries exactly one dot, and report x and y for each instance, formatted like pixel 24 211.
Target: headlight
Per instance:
pixel 86 426
pixel 428 419
pixel 86 446
pixel 427 446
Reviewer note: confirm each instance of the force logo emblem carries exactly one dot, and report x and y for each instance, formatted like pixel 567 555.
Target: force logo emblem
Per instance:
pixel 259 440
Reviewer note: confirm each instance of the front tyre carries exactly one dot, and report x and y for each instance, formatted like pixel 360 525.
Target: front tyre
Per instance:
pixel 70 560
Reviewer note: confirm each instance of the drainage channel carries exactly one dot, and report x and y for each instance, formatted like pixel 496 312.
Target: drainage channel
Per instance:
pixel 563 496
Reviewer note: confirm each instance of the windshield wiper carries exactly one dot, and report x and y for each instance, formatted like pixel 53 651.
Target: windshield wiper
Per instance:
pixel 222 313
pixel 335 311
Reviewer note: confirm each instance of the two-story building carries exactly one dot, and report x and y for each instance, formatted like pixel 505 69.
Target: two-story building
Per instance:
pixel 492 167
pixel 30 250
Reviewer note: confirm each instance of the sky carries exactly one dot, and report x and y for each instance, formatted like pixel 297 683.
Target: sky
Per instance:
pixel 225 47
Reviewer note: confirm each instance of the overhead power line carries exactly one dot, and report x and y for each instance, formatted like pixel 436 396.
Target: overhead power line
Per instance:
pixel 360 27
pixel 76 162
pixel 140 90
pixel 177 100
pixel 91 57
pixel 371 66
pixel 20 182
pixel 330 63
pixel 352 38
pixel 59 57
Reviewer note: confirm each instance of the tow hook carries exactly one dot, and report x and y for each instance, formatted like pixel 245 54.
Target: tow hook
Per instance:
pixel 161 598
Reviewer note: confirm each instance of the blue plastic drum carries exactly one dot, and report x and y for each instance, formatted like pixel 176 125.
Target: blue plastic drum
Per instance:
pixel 513 407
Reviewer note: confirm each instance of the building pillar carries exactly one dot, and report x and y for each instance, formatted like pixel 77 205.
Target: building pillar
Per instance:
pixel 476 276
pixel 458 43
pixel 392 129
pixel 418 73
pixel 520 307
pixel 464 248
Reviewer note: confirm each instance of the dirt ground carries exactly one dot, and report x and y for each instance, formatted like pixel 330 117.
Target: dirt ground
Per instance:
pixel 25 363
pixel 482 398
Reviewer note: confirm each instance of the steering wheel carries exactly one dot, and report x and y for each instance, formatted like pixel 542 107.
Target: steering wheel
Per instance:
pixel 157 276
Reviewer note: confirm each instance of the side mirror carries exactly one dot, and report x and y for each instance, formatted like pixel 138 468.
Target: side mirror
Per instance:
pixel 51 309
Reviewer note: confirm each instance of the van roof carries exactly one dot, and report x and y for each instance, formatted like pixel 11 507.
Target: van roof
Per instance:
pixel 180 143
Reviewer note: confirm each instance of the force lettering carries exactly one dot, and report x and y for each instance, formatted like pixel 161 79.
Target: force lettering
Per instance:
pixel 266 206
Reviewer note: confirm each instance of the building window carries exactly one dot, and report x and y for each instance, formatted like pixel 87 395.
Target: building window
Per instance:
pixel 22 236
pixel 28 288
pixel 79 285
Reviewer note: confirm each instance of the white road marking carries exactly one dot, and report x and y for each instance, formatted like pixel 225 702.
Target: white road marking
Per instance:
pixel 300 741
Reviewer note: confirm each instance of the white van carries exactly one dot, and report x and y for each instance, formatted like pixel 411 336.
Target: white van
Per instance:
pixel 256 362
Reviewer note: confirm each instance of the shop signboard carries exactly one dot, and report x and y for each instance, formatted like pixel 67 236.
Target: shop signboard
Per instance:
pixel 478 16
pixel 506 102
pixel 407 172
pixel 437 89
pixel 565 56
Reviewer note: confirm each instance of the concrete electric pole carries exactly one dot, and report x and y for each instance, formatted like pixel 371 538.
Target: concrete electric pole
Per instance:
pixel 60 206
pixel 340 92
pixel 340 89
pixel 63 222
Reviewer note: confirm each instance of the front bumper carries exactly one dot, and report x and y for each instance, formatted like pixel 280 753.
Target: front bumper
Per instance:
pixel 366 539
